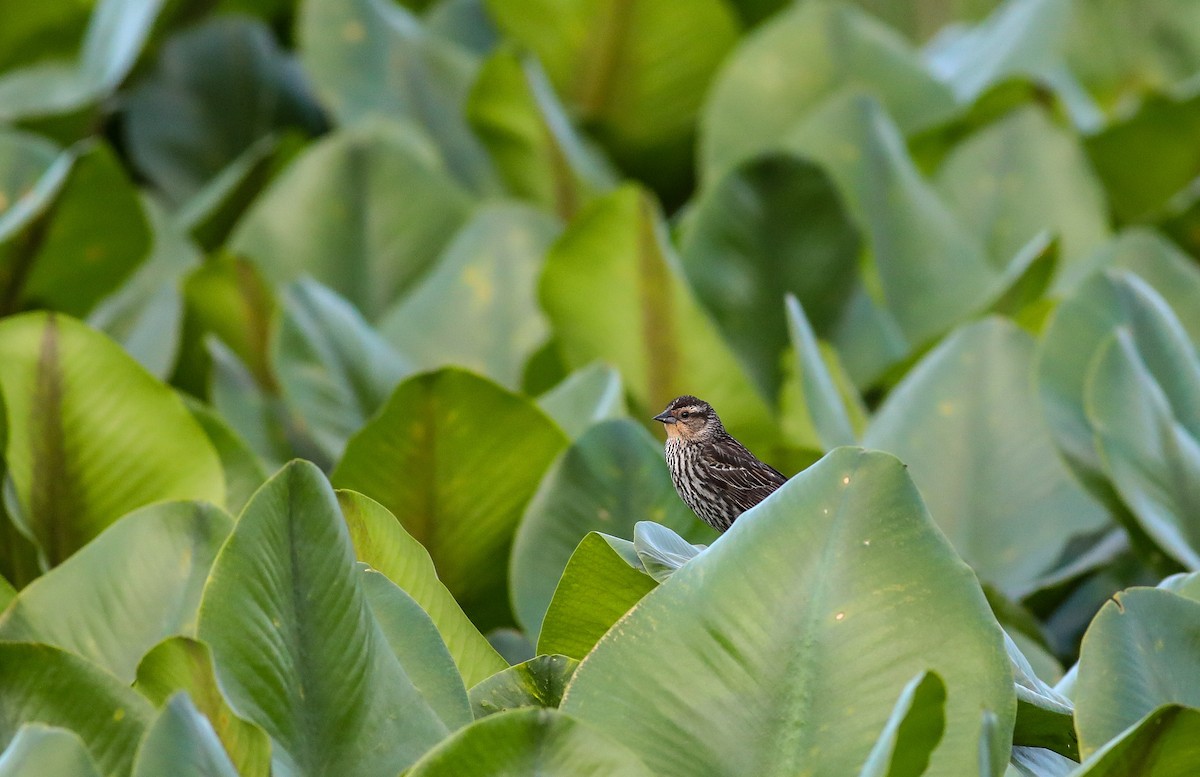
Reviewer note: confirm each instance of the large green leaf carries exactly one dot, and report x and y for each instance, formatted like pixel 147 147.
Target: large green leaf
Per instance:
pixel 1138 654
pixel 635 72
pixel 1078 327
pixel 136 584
pixel 1165 743
pixel 729 632
pixel 414 638
pixel 98 436
pixel 613 290
pixel 42 684
pixel 181 742
pixel 587 396
pixel 1020 176
pixel 774 225
pixel 529 135
pixel 527 742
pixel 611 478
pixel 966 420
pixel 334 370
pixel 218 88
pixel 46 751
pixel 85 252
pixel 373 58
pixel 538 682
pixel 145 315
pixel 478 307
pixel 1152 459
pixel 296 648
pixel 381 542
pixel 455 458
pixel 183 664
pixel 805 56
pixel 115 35
pixel 335 214
pixel 602 581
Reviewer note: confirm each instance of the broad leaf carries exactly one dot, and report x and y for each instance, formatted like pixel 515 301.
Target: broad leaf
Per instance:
pixel 104 438
pixel 42 684
pixel 1165 743
pixel 46 751
pixel 530 741
pixel 728 632
pixel 602 581
pixel 538 682
pixel 296 648
pixel 136 584
pixel 610 479
pixel 455 458
pixel 661 551
pixel 370 252
pixel 966 420
pixel 613 291
pixel 1138 654
pixel 478 307
pixel 381 542
pixel 181 742
pixel 587 396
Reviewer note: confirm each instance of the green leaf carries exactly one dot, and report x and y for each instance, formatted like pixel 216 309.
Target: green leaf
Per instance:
pixel 912 731
pixel 966 421
pixel 477 308
pixel 1020 176
pixel 1152 458
pixel 145 314
pixel 1184 584
pixel 803 57
pixel 42 684
pixel 635 73
pixel 1138 654
pixel 368 58
pixel 586 397
pixel 334 370
pixel 443 457
pixel 1165 743
pixel 181 663
pixel 115 35
pixel 371 252
pixel 613 290
pixel 106 439
pixel 661 551
pixel 610 479
pixel 252 414
pixel 381 542
pixel 1144 159
pixel 598 586
pixel 1078 327
pixel 415 640
pixel 823 405
pixel 32 171
pixel 86 252
pixel 538 682
pixel 296 648
pixel 137 583
pixel 218 88
pixel 773 225
pixel 728 632
pixel 181 742
pixel 1045 718
pixel 243 470
pixel 518 117
pixel 46 751
pixel 530 741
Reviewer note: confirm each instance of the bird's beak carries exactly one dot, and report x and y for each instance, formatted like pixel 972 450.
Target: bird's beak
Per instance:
pixel 666 417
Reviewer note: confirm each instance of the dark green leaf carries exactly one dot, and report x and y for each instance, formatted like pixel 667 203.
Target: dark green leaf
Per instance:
pixel 538 682
pixel 912 732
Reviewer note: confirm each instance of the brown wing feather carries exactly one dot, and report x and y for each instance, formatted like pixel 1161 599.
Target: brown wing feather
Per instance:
pixel 736 471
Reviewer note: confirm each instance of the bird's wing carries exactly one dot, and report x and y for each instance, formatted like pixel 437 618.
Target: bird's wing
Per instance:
pixel 736 469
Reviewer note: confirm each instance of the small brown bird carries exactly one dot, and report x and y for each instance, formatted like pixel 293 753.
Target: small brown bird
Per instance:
pixel 714 474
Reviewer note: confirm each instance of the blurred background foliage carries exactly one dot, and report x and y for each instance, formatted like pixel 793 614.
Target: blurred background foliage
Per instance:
pixel 456 253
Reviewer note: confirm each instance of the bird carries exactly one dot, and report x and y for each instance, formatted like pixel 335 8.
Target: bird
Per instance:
pixel 714 474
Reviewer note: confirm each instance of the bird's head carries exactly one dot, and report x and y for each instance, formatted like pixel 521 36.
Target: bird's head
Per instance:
pixel 691 419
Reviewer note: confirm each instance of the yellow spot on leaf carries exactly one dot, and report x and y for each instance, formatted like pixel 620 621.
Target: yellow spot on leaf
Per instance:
pixel 946 408
pixel 481 287
pixel 118 714
pixel 353 31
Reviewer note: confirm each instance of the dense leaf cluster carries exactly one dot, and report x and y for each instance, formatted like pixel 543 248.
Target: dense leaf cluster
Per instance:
pixel 330 329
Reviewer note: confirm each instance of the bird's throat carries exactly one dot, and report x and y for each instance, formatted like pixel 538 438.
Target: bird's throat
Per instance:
pixel 672 431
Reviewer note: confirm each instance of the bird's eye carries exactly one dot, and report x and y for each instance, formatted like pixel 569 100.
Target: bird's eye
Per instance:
pixel 685 414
